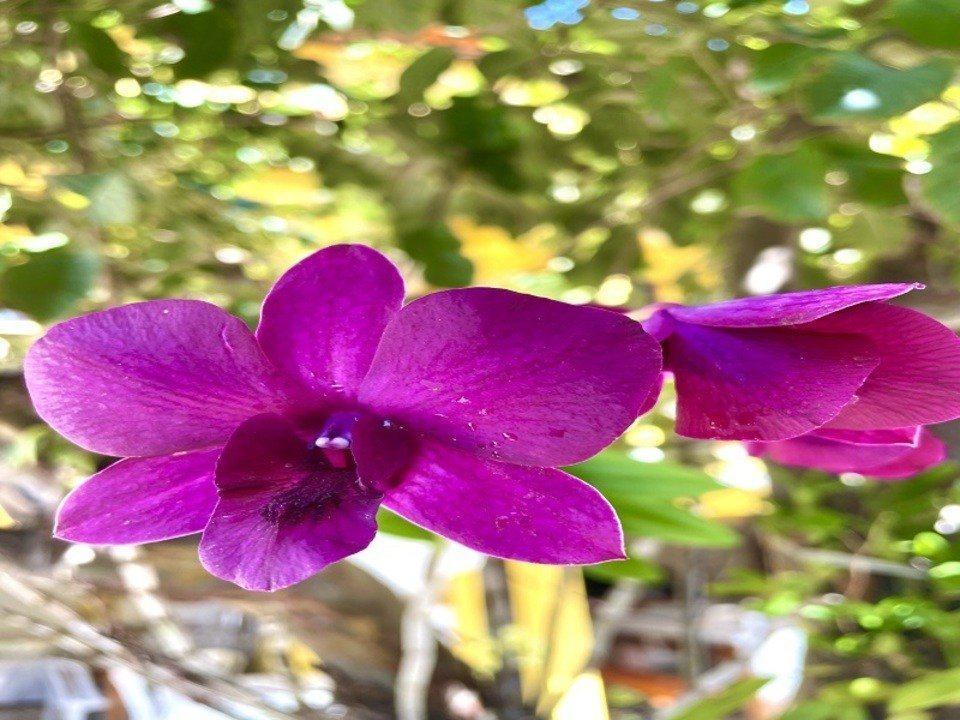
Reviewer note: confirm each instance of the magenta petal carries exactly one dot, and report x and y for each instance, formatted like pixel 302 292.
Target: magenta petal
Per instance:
pixel 284 514
pixel 890 454
pixel 907 437
pixel 381 450
pixel 787 308
pixel 930 451
pixel 323 319
pixel 140 500
pixel 513 377
pixel 918 379
pixel 762 383
pixel 150 378
pixel 823 452
pixel 538 515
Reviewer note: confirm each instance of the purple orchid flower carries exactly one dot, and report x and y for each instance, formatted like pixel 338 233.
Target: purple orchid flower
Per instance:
pixel 452 411
pixel 886 454
pixel 776 367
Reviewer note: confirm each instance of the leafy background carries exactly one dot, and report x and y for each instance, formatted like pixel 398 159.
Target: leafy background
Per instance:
pixel 620 153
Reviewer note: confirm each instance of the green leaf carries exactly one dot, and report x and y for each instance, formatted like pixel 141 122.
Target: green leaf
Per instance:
pixel 392 524
pixel 438 250
pixel 208 38
pixel 393 16
pixel 497 64
pixel 614 473
pixel 945 570
pixel 930 22
pixel 778 66
pixel 938 688
pixel 789 187
pixel 724 703
pixel 872 178
pixel 826 710
pixel 643 494
pixel 112 201
pixel 422 73
pixel 667 522
pixel 50 283
pixel 947 576
pixel 876 233
pixel 854 86
pixel 482 134
pixel 629 569
pixel 939 186
pixel 99 48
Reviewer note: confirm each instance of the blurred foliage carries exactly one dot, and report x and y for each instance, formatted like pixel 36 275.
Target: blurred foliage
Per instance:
pixel 619 153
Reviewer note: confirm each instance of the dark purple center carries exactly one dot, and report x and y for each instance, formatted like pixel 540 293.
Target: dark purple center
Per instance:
pixel 315 496
pixel 329 476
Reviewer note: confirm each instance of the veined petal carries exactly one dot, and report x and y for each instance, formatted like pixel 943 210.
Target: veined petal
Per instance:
pixel 533 514
pixel 834 456
pixel 323 319
pixel 930 451
pixel 150 378
pixel 918 379
pixel 762 383
pixel 382 451
pixel 787 308
pixel 861 452
pixel 284 514
pixel 141 500
pixel 905 436
pixel 513 377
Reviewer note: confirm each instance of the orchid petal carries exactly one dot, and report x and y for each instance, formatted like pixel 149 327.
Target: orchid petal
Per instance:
pixel 513 377
pixel 930 451
pixel 537 515
pixel 323 318
pixel 382 451
pixel 151 378
pixel 140 500
pixel 918 379
pixel 762 383
pixel 909 451
pixel 787 308
pixel 834 456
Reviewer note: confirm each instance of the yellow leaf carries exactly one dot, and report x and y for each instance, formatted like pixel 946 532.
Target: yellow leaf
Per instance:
pixel 70 199
pixel 496 256
pixel 666 265
pixel 551 632
pixel 461 79
pixel 6 520
pixel 280 186
pixel 369 68
pixel 10 234
pixel 585 698
pixel 530 93
pixel 11 173
pixel 730 503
